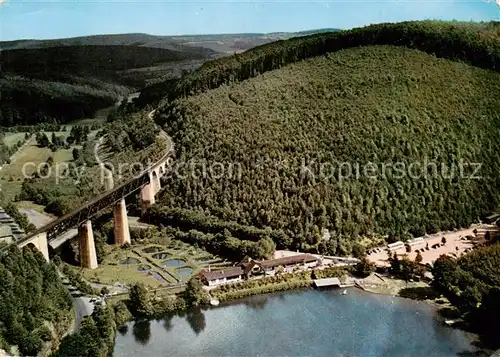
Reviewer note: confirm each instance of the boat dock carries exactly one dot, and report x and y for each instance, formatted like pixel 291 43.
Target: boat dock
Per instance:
pixel 327 282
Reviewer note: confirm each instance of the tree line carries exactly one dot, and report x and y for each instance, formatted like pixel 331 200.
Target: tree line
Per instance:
pixel 20 218
pixel 474 43
pixel 472 284
pixel 187 220
pixel 31 296
pixel 27 101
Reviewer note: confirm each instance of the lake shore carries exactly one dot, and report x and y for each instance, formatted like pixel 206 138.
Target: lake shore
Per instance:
pixel 415 290
pixel 297 323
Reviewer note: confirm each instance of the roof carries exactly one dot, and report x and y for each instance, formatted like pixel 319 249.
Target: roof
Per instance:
pixel 395 244
pixel 294 259
pixel 327 282
pixel 221 274
pixel 247 267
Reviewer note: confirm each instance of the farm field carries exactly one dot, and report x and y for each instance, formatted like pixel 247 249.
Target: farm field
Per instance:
pixel 12 175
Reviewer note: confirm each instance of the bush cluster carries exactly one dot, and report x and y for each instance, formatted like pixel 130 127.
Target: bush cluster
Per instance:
pixel 281 282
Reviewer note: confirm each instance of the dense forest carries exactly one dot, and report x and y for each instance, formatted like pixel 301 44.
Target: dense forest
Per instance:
pixel 227 239
pixel 104 62
pixel 27 101
pixel 61 84
pixel 474 43
pixel 472 284
pixel 33 303
pixel 367 105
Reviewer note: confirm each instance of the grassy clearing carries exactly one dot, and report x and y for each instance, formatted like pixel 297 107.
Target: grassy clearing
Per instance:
pixel 64 133
pixel 126 274
pixel 12 175
pixel 12 138
pixel 32 156
pixel 30 205
pixel 10 188
pixel 64 155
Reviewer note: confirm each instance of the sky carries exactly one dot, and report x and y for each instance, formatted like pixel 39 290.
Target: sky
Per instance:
pixel 37 19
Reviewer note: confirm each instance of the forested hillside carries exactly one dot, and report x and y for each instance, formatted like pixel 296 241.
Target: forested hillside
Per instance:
pixel 475 43
pixel 34 306
pixel 472 284
pixel 378 104
pixel 28 101
pixel 103 62
pixel 60 84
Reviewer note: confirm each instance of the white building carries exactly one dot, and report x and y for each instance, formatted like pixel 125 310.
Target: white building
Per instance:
pixel 216 277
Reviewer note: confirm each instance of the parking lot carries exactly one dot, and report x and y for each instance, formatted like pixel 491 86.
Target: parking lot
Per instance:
pixel 456 244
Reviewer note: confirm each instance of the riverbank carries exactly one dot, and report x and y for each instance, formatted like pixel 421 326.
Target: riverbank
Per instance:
pixel 414 293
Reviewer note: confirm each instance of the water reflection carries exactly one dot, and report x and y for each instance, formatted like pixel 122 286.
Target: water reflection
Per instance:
pixel 257 302
pixel 142 331
pixel 123 329
pixel 167 322
pixel 318 323
pixel 196 319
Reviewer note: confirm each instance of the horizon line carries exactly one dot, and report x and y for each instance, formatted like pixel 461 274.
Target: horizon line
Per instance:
pixel 232 33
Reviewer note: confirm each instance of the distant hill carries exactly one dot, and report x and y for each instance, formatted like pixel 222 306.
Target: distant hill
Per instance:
pixel 99 61
pixel 292 112
pixel 133 39
pixel 71 82
pixel 199 44
pixel 87 73
pixel 475 43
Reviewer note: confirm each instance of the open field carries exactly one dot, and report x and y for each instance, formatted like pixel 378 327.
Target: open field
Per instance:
pixel 12 138
pixel 155 265
pixel 12 176
pixel 34 155
pixel 30 206
pixel 10 188
pixel 30 157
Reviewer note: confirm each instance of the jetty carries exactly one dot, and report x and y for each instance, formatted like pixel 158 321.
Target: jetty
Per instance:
pixel 331 282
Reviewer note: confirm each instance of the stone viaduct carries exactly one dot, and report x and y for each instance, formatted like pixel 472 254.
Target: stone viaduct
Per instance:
pixel 148 182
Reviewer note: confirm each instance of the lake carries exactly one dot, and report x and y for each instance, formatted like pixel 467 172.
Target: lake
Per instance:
pixel 300 323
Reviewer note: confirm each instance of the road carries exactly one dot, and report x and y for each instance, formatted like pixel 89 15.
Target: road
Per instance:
pixel 37 218
pixel 82 305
